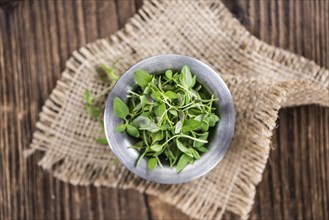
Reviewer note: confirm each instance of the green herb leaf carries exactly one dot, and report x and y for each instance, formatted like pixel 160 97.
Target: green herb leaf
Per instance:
pixel 160 109
pixel 120 128
pixel 202 149
pixel 205 126
pixel 144 100
pixel 183 161
pixel 88 97
pixel 185 77
pixel 168 74
pixel 181 100
pixel 142 78
pixel 156 95
pixel 173 112
pixel 93 111
pixel 141 121
pixel 156 147
pixel 195 154
pixel 198 88
pixel 101 124
pixel 171 95
pixel 144 123
pixel 152 127
pixel 120 109
pixel 132 131
pixel 181 146
pixel 164 127
pixel 178 127
pixel 110 72
pixel 191 124
pixel 170 154
pixel 195 111
pixel 193 81
pixel 147 90
pixel 200 117
pixel 152 163
pixel 136 147
pixel 204 136
pixel 158 136
pixel 106 73
pixel 101 141
pixel 212 120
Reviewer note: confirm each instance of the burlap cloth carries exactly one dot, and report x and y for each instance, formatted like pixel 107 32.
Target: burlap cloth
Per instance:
pixel 260 77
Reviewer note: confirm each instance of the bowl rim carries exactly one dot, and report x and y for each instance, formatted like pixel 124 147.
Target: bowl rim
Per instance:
pixel 146 174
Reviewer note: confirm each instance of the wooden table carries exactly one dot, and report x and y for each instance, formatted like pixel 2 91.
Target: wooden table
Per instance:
pixel 37 37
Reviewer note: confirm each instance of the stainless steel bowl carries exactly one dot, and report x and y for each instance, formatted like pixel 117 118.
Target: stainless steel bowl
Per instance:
pixel 219 139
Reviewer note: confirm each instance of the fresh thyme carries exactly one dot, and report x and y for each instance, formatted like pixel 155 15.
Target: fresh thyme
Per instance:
pixel 169 115
pixel 95 105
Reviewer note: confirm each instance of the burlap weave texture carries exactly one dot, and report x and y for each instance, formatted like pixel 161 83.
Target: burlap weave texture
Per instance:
pixel 260 77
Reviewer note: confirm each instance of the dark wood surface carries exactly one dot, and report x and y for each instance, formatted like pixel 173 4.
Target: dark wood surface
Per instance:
pixel 37 37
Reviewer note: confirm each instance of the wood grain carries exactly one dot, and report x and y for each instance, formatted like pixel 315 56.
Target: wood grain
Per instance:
pixel 37 37
pixel 295 182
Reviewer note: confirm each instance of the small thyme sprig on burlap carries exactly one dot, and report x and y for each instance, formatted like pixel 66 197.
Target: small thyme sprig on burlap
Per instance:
pixel 169 115
pixel 95 105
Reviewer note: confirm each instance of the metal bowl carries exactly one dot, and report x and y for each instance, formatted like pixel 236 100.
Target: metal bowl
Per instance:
pixel 219 139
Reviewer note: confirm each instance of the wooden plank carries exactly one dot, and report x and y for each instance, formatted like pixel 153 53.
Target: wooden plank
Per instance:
pixel 124 10
pixel 295 182
pixel 36 38
pixel 132 205
pixel 106 24
pixel 161 210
